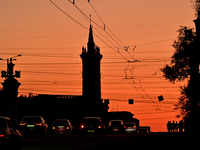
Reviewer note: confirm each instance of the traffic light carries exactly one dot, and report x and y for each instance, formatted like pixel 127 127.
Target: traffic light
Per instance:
pixel 130 101
pixel 160 98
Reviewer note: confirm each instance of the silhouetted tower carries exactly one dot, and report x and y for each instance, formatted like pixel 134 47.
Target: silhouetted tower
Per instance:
pixel 91 76
pixel 10 92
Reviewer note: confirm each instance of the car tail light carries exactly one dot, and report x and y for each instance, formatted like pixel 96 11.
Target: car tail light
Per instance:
pixel 38 124
pixel 53 127
pixel 82 126
pixel 99 127
pixel 22 124
pixel 67 127
pixel 2 135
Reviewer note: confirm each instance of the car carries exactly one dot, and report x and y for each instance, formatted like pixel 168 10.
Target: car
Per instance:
pixel 10 137
pixel 33 125
pixel 116 126
pixel 130 127
pixel 62 126
pixel 92 126
pixel 144 129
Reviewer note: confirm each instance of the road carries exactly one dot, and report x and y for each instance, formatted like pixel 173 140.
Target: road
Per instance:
pixel 122 141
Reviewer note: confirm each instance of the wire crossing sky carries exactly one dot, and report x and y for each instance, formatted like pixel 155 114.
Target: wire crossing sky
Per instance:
pixel 134 37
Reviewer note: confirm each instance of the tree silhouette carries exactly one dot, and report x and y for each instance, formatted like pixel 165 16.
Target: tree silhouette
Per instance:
pixel 183 104
pixel 179 68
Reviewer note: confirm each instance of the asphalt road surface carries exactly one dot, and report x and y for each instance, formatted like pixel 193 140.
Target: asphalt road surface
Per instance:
pixel 112 142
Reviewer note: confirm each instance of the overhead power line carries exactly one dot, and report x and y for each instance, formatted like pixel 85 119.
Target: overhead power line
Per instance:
pixel 68 15
pixel 89 18
pixel 135 84
pixel 83 25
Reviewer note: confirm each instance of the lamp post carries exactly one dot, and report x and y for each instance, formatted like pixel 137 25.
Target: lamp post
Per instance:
pixel 10 67
pixel 10 91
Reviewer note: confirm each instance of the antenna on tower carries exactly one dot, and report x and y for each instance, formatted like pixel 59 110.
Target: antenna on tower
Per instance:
pixel 90 18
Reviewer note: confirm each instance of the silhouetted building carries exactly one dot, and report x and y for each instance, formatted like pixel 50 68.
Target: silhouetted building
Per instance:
pixel 91 75
pixel 72 107
pixel 51 107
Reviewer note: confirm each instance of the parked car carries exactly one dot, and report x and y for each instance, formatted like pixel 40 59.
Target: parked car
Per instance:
pixel 10 137
pixel 92 126
pixel 144 129
pixel 62 126
pixel 130 127
pixel 33 125
pixel 116 126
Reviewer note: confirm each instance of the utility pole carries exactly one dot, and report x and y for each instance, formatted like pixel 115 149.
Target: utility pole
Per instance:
pixel 10 91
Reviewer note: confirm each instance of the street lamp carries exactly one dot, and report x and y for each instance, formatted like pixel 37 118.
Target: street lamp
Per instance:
pixel 10 67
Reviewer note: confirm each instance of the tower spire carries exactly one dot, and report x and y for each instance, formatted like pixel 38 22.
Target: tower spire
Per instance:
pixel 91 43
pixel 90 38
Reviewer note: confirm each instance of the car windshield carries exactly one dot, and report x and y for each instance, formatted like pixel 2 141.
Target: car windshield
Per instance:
pixel 115 123
pixel 91 121
pixel 2 123
pixel 61 123
pixel 32 119
pixel 130 124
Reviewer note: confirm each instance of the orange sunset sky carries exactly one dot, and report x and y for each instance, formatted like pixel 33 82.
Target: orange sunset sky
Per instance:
pixel 50 43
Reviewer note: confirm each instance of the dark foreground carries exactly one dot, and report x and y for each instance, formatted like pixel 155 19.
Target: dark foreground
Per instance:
pixel 124 141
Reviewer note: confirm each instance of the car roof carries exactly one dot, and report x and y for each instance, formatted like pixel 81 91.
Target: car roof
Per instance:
pixel 5 118
pixel 61 120
pixel 129 122
pixel 92 118
pixel 33 116
pixel 115 120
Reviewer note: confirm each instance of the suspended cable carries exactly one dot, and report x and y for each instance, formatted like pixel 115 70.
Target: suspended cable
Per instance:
pixel 85 16
pixel 105 37
pixel 96 13
pixel 98 26
pixel 155 42
pixel 110 47
pixel 115 35
pixel 88 17
pixel 68 15
pixel 84 26
pixel 105 27
pixel 124 47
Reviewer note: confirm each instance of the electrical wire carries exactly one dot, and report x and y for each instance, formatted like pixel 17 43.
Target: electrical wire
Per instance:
pixel 68 15
pixel 102 29
pixel 104 36
pixel 105 27
pixel 86 27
